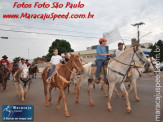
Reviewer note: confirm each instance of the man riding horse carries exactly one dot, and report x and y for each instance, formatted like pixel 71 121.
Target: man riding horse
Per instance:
pixel 101 57
pixel 120 49
pixel 6 63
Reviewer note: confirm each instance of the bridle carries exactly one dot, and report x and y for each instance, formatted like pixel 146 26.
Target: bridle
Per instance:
pixel 154 65
pixel 130 65
pixel 75 67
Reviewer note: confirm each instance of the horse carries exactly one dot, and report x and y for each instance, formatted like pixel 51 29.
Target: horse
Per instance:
pixel 117 72
pixel 3 76
pixel 22 81
pixel 61 78
pixel 33 71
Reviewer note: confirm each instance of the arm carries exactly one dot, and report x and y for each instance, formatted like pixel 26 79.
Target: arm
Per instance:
pixel 100 54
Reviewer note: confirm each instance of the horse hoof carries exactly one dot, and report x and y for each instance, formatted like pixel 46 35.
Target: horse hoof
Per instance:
pixel 67 114
pixel 123 96
pixel 47 104
pixel 92 103
pixel 58 107
pixel 128 110
pixel 137 99
pixel 49 100
pixel 110 109
pixel 76 100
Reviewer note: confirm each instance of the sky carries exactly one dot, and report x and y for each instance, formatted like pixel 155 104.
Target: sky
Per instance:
pixel 108 15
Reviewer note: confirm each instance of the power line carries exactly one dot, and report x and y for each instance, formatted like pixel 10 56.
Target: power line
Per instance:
pixel 47 29
pixel 47 33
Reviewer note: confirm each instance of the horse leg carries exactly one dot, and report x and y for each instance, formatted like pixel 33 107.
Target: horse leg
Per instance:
pixel 58 102
pixel 89 91
pixel 111 87
pixel 105 90
pixel 26 89
pixel 75 89
pixel 68 88
pixel 22 91
pixel 5 83
pixel 135 91
pixel 45 92
pixel 123 89
pixel 102 85
pixel 50 93
pixel 116 92
pixel 64 100
pixel 78 89
pixel 17 88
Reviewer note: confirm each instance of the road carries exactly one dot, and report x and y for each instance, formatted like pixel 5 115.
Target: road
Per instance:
pixel 143 111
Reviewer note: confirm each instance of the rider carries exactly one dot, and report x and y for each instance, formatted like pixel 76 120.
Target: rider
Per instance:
pixel 55 59
pixel 22 63
pixel 27 63
pixel 66 58
pixel 120 49
pixel 101 56
pixel 5 62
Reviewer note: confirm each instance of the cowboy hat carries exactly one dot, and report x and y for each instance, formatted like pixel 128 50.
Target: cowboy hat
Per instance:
pixel 4 57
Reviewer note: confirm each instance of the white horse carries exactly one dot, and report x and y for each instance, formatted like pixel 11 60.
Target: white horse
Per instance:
pixel 136 73
pixel 118 70
pixel 22 81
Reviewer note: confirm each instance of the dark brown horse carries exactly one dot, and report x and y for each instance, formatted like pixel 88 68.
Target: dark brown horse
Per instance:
pixel 3 76
pixel 60 78
pixel 33 71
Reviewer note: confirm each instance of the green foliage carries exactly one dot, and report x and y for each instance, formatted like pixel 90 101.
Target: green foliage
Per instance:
pixel 160 45
pixel 16 59
pixel 62 46
pixel 142 46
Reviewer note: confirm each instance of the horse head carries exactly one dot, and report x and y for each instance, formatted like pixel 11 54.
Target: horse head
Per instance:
pixel 77 63
pixel 140 57
pixel 25 73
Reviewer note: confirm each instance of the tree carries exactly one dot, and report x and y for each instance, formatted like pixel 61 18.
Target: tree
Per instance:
pixel 62 46
pixel 142 46
pixel 153 53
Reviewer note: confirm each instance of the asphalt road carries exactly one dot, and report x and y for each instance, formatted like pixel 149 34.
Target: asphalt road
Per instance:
pixel 143 111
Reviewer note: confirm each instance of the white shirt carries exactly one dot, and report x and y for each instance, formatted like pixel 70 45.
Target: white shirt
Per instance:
pixel 118 52
pixel 21 66
pixel 56 59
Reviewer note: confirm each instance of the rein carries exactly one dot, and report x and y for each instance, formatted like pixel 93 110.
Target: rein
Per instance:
pixel 124 75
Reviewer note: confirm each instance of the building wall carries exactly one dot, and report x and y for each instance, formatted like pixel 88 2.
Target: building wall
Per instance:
pixel 89 55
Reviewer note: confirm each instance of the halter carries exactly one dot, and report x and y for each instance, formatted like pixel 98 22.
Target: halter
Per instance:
pixel 124 75
pixel 75 66
pixel 154 65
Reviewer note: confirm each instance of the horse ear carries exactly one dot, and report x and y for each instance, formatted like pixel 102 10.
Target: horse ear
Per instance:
pixel 79 54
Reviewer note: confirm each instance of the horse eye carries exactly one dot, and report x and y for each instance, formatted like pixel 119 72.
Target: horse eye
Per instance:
pixel 141 53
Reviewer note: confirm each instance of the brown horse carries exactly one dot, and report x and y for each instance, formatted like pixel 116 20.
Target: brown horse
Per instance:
pixel 64 72
pixel 33 70
pixel 3 76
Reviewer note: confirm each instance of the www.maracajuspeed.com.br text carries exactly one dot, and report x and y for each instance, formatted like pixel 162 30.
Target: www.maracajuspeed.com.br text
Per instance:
pixel 52 16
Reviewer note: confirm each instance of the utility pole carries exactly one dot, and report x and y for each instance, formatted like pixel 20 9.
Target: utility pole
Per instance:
pixel 138 32
pixel 28 53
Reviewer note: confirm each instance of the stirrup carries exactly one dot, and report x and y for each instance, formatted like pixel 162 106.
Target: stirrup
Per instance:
pixel 49 80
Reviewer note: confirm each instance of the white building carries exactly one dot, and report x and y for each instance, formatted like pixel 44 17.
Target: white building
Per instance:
pixel 89 55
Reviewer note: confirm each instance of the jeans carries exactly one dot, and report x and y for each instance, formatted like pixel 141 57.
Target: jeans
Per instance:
pixel 99 67
pixel 51 70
